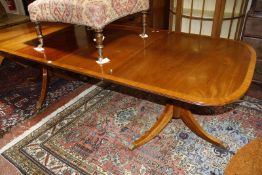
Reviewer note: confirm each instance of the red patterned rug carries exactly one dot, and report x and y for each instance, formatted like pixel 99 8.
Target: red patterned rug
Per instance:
pixel 92 136
pixel 19 93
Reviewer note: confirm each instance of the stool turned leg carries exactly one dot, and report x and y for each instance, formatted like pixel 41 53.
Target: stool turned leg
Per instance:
pixel 99 45
pixel 38 29
pixel 144 24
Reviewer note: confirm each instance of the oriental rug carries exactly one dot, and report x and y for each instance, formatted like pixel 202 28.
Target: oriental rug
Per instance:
pixel 20 89
pixel 92 136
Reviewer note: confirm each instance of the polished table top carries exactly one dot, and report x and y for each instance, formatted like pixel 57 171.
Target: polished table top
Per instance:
pixel 190 68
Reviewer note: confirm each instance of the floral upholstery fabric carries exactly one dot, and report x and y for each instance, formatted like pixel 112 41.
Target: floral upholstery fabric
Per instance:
pixel 92 13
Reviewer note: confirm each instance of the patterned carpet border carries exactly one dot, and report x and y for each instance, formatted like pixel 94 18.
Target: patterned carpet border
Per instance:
pixel 48 118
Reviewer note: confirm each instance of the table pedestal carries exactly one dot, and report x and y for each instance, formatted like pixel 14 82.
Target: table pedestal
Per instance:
pixel 1 59
pixel 176 112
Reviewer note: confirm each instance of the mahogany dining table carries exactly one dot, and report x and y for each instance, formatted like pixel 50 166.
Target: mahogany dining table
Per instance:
pixel 193 69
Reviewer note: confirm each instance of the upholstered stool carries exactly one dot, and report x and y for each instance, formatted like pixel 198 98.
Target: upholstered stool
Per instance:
pixel 95 14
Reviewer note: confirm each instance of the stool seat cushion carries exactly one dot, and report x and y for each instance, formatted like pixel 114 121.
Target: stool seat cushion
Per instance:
pixel 92 13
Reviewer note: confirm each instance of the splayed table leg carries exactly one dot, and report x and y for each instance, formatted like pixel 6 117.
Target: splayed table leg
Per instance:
pixel 187 117
pixel 160 124
pixel 1 59
pixel 42 97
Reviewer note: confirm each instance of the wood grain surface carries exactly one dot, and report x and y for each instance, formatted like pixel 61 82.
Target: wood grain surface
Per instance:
pixel 190 68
